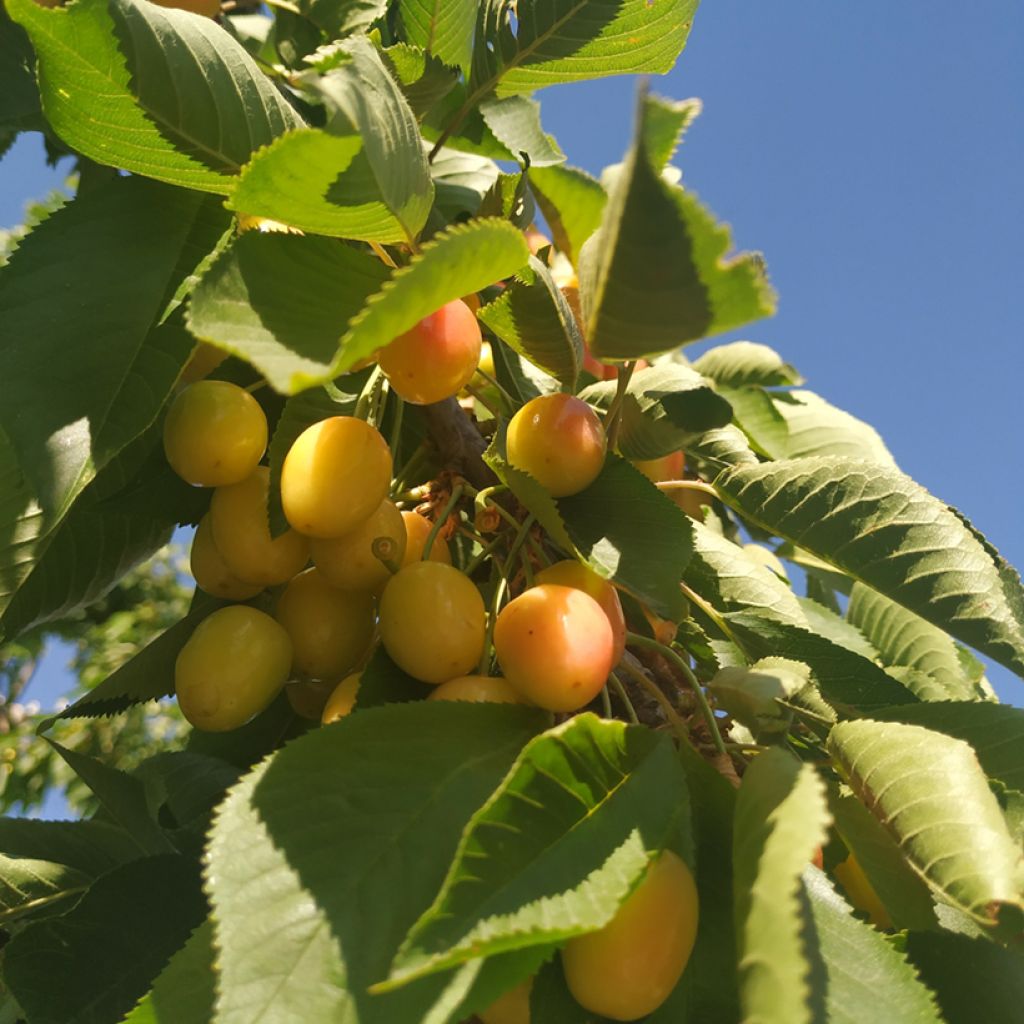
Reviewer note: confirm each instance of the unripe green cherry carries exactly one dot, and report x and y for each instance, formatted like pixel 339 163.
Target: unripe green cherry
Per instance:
pixel 238 518
pixel 215 433
pixel 335 476
pixel 330 629
pixel 559 441
pixel 478 690
pixel 628 968
pixel 348 562
pixel 210 571
pixel 432 622
pixel 231 668
pixel 555 646
pixel 436 358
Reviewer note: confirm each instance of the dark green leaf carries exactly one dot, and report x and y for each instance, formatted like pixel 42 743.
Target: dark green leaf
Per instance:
pixel 340 18
pixel 184 786
pixel 19 95
pixel 129 84
pixel 90 847
pixel 665 125
pixel 383 682
pixel 29 887
pixel 878 526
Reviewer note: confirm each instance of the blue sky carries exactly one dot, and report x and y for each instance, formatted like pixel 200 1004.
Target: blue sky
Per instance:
pixel 875 153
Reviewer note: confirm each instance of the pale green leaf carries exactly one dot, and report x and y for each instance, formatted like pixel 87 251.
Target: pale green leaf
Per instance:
pixel 29 887
pixel 906 640
pixel 340 18
pixel 461 180
pixel 878 526
pixel 665 125
pixel 781 819
pixel 423 79
pixel 664 407
pixel 930 793
pixel 831 625
pixel 441 27
pixel 129 84
pixel 746 364
pixel 312 897
pixel 532 317
pixel 572 203
pixel 725 446
pixel 654 276
pixel 859 978
pixel 556 849
pixel 515 122
pixel 92 965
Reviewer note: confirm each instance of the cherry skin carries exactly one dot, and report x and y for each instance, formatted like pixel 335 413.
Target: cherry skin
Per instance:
pixel 331 630
pixel 215 433
pixel 511 1008
pixel 342 699
pixel 417 530
pixel 238 518
pixel 668 467
pixel 571 573
pixel 861 893
pixel 308 697
pixel 207 8
pixel 334 477
pixel 210 571
pixel 432 622
pixel 205 359
pixel 231 668
pixel 628 968
pixel 478 690
pixel 559 441
pixel 437 358
pixel 555 646
pixel 348 562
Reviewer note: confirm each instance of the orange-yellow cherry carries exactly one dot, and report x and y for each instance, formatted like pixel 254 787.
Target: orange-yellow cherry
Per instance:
pixel 207 8
pixel 417 530
pixel 555 646
pixel 478 690
pixel 628 968
pixel 238 518
pixel 348 562
pixel 435 359
pixel 342 699
pixel 215 433
pixel 211 572
pixel 335 476
pixel 511 1008
pixel 571 573
pixel 668 467
pixel 559 441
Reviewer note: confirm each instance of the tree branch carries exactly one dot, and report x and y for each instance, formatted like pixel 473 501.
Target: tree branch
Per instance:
pixel 459 442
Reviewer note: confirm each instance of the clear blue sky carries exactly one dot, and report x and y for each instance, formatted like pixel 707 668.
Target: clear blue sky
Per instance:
pixel 875 153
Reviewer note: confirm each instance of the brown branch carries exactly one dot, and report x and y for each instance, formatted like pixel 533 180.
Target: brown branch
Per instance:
pixel 458 441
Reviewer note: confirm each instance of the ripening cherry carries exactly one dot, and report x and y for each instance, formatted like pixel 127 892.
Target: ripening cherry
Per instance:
pixel 432 622
pixel 511 1008
pixel 238 518
pixel 628 968
pixel 210 571
pixel 308 697
pixel 342 699
pixel 478 690
pixel 559 441
pixel 861 893
pixel 204 360
pixel 348 562
pixel 335 476
pixel 571 573
pixel 555 645
pixel 215 433
pixel 417 530
pixel 436 358
pixel 231 668
pixel 207 8
pixel 330 630
pixel 668 467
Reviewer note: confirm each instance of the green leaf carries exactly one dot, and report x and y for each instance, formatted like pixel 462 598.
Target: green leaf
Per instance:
pixel 462 259
pixel 340 18
pixel 746 364
pixel 89 847
pixel 185 990
pixel 313 896
pixel 720 448
pixel 905 639
pixel 653 277
pixel 630 533
pixel 848 681
pixel 574 40
pixel 859 977
pixel 515 122
pixel 510 199
pixel 532 317
pixel 995 731
pixel 461 181
pixel 29 887
pixel 664 407
pixel 19 95
pixel 800 424
pixel 126 514
pixel 572 203
pixel 831 625
pixel 781 819
pixel 362 97
pixel 113 280
pixel 184 787
pixel 282 303
pixel 129 84
pixel 383 682
pixel 556 849
pixel 551 1002
pixel 878 526
pixel 665 125
pixel 424 79
pixel 929 792
pixel 91 965
pixel 973 979
pixel 441 27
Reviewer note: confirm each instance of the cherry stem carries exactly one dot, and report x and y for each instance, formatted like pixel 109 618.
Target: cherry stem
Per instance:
pixel 441 520
pixel 620 692
pixel 637 640
pixel 613 418
pixel 606 702
pixel 396 426
pixel 687 485
pixel 386 550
